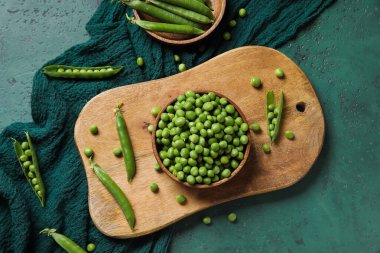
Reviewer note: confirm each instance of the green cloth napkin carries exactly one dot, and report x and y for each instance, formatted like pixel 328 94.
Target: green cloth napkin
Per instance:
pixel 57 103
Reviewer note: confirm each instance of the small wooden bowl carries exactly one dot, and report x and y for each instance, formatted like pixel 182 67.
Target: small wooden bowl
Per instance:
pixel 236 171
pixel 219 7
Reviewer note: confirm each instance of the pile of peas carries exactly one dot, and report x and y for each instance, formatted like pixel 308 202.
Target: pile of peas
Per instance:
pixel 201 138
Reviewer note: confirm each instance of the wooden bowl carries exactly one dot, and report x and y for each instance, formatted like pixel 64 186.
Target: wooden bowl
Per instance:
pixel 166 170
pixel 219 7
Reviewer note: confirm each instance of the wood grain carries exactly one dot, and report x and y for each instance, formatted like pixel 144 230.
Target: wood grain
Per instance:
pixel 219 7
pixel 227 74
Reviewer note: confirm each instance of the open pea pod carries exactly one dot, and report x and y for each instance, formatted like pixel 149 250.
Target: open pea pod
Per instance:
pixel 274 114
pixel 71 72
pixel 27 158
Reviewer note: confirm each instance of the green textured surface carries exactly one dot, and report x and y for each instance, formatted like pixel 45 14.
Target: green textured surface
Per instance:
pixel 336 208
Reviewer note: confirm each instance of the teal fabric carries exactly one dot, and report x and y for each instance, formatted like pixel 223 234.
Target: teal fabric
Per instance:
pixel 57 103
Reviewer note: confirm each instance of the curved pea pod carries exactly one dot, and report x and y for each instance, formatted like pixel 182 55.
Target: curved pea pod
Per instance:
pixel 72 72
pixel 126 144
pixel 163 27
pixel 116 192
pixel 66 243
pixel 276 120
pixel 33 176
pixel 192 5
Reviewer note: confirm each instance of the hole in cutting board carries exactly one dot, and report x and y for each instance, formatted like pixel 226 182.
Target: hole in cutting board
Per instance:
pixel 301 106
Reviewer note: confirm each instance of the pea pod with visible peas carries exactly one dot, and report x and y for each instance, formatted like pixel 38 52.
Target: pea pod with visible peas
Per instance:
pixel 159 13
pixel 116 192
pixel 126 145
pixel 274 115
pixel 66 243
pixel 164 27
pixel 71 72
pixel 190 15
pixel 192 5
pixel 24 153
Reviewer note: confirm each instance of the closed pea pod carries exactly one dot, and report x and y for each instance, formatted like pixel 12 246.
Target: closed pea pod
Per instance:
pixel 66 243
pixel 190 15
pixel 116 192
pixel 164 27
pixel 82 73
pixel 126 144
pixel 193 6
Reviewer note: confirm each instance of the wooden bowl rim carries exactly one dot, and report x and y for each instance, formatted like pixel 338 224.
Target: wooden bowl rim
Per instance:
pixel 192 40
pixel 201 186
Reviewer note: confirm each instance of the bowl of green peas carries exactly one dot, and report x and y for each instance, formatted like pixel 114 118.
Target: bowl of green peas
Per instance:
pixel 201 139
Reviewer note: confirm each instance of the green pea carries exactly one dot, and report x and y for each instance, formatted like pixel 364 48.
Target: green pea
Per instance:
pixel 234 164
pixel 207 180
pixel 232 217
pixel 39 193
pixel 90 247
pixel 150 128
pixel 230 109
pixel 103 70
pixel 187 169
pixel 266 148
pixel 199 179
pixel 234 152
pixel 240 156
pixel 270 115
pixel 244 127
pixel 31 174
pixel 226 173
pixel 34 181
pixel 82 71
pixel 117 152
pixel 36 187
pixel 177 58
pixel 244 139
pixel 210 173
pixel 166 162
pixel 223 144
pixel 215 147
pixel 232 23
pixel 182 67
pixel 271 126
pixel 25 145
pixel 93 129
pixel 68 70
pixel 208 106
pixel 140 61
pixel 224 160
pixel 242 12
pixel 154 187
pixel 276 111
pixel 289 134
pixel 194 171
pixel 32 168
pixel 26 164
pixel 24 158
pixel 155 111
pixel 180 121
pixel 89 71
pixel 181 175
pixel 88 152
pixel 181 199
pixel 271 107
pixel 279 73
pixel 256 127
pixel 206 220
pixel 96 71
pixel 190 179
pixel 223 101
pixel 191 115
pixel 75 70
pixel 157 167
pixel 236 142
pixel 274 121
pixel 256 82
pixel 227 36
pixel 60 70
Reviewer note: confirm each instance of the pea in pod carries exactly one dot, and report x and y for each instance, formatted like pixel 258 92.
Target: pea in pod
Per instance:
pixel 66 243
pixel 71 72
pixel 191 15
pixel 159 13
pixel 274 115
pixel 192 5
pixel 29 167
pixel 126 144
pixel 164 27
pixel 116 192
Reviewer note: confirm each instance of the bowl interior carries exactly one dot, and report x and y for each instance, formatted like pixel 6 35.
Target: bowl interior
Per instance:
pixel 218 6
pixel 166 170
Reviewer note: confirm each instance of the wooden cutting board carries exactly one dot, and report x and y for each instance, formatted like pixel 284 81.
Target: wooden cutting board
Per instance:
pixel 228 74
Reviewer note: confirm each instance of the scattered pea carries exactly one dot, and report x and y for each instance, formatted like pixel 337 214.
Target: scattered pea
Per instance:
pixel 256 127
pixel 279 73
pixel 140 61
pixel 206 220
pixel 177 58
pixel 150 128
pixel 154 187
pixel 117 152
pixel 266 148
pixel 90 247
pixel 181 199
pixel 256 82
pixel 289 135
pixel 227 36
pixel 232 23
pixel 155 111
pixel 157 167
pixel 88 152
pixel 182 67
pixel 242 13
pixel 232 217
pixel 93 129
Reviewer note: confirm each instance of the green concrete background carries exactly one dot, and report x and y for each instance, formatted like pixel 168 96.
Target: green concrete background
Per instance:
pixel 336 208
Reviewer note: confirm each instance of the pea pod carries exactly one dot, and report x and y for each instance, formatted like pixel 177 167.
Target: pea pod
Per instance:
pixel 30 168
pixel 163 27
pixel 274 115
pixel 71 72
pixel 66 243
pixel 192 5
pixel 116 192
pixel 159 13
pixel 126 144
pixel 190 15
